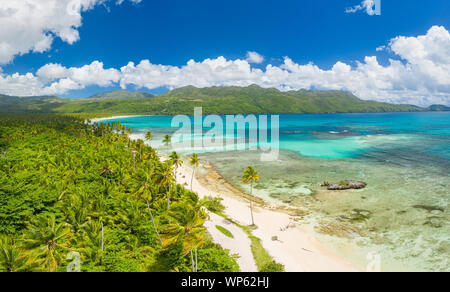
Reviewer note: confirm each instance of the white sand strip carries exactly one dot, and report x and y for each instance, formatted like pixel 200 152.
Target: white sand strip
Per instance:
pixel 112 118
pixel 297 250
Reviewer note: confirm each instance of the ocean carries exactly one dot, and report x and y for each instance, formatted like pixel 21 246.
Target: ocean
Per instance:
pixel 400 220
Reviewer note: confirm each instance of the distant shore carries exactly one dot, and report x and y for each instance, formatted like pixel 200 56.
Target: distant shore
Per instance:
pixel 321 113
pixel 115 117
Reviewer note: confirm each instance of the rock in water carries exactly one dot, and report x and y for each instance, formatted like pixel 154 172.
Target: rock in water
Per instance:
pixel 347 185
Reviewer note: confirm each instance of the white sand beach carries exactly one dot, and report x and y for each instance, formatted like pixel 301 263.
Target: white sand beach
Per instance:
pixel 297 250
pixel 113 117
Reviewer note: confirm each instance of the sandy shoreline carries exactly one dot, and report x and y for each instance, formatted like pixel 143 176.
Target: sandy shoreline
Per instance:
pixel 114 117
pixel 295 248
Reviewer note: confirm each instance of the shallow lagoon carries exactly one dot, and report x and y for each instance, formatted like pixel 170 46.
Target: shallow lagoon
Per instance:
pixel 402 217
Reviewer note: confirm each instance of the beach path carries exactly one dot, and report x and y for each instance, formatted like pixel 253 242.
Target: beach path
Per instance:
pixel 239 245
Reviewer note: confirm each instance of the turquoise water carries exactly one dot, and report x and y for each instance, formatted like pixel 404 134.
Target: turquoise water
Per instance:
pixel 404 158
pixel 337 136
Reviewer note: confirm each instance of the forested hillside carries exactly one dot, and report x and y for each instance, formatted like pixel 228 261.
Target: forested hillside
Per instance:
pixel 69 186
pixel 236 100
pixel 213 100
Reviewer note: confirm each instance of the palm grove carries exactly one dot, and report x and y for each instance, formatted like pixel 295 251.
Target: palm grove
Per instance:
pixel 68 186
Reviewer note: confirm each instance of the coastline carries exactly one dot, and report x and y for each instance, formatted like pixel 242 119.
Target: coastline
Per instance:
pixel 115 117
pixel 297 249
pixel 305 113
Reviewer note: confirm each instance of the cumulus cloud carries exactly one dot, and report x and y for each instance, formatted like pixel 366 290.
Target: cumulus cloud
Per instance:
pixel 53 79
pixel 418 73
pixel 209 72
pixel 32 25
pixel 367 5
pixel 254 57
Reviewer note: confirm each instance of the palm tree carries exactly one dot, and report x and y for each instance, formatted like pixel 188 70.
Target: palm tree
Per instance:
pixel 167 140
pixel 142 181
pixel 76 208
pixel 134 160
pixel 93 241
pixel 48 240
pixel 140 145
pixel 153 220
pixel 12 259
pixel 100 207
pixel 250 175
pixel 194 161
pixel 131 216
pixel 193 200
pixel 165 176
pixel 151 154
pixel 149 136
pixel 143 189
pixel 106 172
pixel 185 225
pixel 176 161
pixel 103 235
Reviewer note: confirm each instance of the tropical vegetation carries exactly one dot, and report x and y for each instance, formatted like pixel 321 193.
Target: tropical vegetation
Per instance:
pixel 250 175
pixel 194 161
pixel 71 186
pixel 225 231
pixel 213 100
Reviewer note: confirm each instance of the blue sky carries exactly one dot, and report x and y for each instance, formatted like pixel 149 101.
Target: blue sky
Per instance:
pixel 171 32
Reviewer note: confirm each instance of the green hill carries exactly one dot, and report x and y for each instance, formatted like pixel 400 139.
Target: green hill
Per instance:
pixel 33 104
pixel 120 95
pixel 237 100
pixel 49 104
pixel 213 100
pixel 439 108
pixel 254 99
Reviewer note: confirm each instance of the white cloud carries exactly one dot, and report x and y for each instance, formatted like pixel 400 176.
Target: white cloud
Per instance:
pixel 210 72
pixel 254 57
pixel 51 72
pixel 418 73
pixel 53 79
pixel 31 25
pixel 367 5
pixel 94 74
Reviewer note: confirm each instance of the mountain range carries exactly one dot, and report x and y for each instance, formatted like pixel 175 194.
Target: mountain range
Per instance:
pixel 214 100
